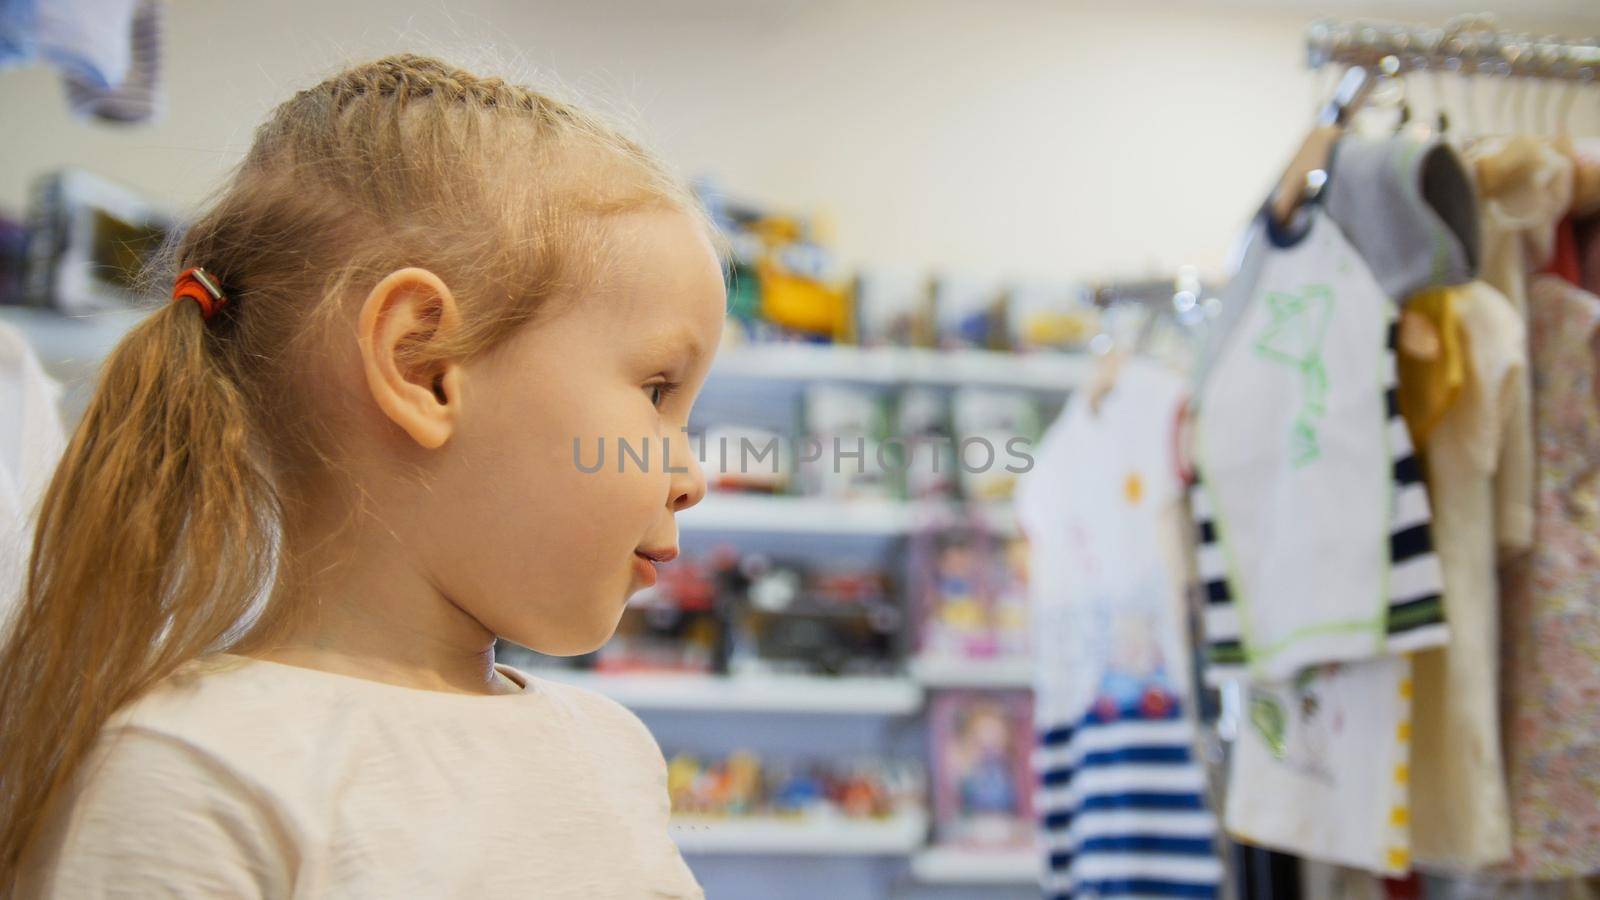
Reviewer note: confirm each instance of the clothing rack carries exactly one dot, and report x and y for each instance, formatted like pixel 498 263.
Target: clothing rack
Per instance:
pixel 1468 45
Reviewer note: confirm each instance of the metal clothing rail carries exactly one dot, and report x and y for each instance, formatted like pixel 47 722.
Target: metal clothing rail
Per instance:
pixel 1468 45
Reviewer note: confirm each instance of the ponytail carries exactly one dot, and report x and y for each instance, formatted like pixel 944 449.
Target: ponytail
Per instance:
pixel 153 541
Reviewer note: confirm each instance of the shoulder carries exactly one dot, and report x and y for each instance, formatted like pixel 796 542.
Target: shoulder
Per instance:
pixel 228 708
pixel 597 716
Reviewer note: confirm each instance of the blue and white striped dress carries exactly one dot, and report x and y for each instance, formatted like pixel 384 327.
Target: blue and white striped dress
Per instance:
pixel 1121 795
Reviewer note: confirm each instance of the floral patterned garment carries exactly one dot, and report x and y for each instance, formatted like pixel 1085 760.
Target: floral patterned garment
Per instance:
pixel 1551 610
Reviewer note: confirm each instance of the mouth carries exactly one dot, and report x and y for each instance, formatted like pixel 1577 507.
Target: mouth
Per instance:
pixel 646 560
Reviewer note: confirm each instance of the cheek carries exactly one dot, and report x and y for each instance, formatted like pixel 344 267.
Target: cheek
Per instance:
pixel 532 541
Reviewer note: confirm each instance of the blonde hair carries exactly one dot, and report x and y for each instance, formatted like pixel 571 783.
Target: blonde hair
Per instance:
pixel 162 528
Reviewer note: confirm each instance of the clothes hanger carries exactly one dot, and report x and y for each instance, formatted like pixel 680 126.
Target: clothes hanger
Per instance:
pixel 1126 327
pixel 1105 375
pixel 1307 171
pixel 1436 94
pixel 1469 105
pixel 1586 172
pixel 1504 103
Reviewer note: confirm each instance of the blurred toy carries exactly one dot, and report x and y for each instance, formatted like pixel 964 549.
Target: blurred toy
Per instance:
pixel 743 784
pixel 1009 590
pixel 828 622
pixel 969 313
pixel 1051 317
pixel 845 427
pixel 674 626
pixel 955 605
pixel 995 431
pixel 744 790
pixel 798 793
pixel 745 459
pixel 862 795
pixel 923 427
pixel 893 308
pixel 781 283
pixel 800 303
pixel 981 772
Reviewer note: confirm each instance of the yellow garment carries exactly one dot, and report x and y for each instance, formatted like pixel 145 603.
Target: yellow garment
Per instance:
pixel 1429 386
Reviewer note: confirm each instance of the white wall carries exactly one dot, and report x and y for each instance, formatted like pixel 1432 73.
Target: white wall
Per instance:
pixel 1014 137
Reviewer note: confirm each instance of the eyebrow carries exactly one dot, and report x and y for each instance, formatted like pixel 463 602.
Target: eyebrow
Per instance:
pixel 677 339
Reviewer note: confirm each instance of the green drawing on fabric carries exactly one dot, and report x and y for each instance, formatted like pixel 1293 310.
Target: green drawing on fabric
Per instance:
pixel 1293 338
pixel 1267 715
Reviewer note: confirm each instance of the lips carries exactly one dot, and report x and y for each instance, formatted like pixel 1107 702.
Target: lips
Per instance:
pixel 646 560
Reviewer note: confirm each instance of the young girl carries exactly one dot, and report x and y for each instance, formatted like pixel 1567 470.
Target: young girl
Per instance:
pixel 256 652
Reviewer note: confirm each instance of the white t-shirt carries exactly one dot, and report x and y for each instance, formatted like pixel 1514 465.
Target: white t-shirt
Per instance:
pixel 1315 544
pixel 246 778
pixel 1321 764
pixel 31 443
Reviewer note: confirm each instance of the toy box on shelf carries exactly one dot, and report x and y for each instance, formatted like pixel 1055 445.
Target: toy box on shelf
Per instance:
pixel 731 613
pixel 982 787
pixel 818 620
pixel 970 593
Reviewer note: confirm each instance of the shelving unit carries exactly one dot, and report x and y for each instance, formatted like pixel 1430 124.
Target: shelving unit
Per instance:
pixel 1000 674
pixel 58 337
pixel 904 365
pixel 807 515
pixel 766 694
pixel 958 866
pixel 830 836
pixel 762 513
pixel 62 340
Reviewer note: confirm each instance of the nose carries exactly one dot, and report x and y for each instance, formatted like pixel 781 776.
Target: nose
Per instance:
pixel 688 485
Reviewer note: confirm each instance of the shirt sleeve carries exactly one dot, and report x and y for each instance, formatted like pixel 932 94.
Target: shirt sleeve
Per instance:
pixel 1514 487
pixel 154 817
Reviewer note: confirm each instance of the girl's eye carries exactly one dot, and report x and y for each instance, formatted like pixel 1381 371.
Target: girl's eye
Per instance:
pixel 659 391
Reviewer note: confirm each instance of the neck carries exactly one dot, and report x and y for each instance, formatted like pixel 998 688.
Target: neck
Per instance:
pixel 363 607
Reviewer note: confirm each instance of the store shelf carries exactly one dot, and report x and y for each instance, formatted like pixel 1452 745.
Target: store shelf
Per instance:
pixel 955 865
pixel 821 515
pixel 904 365
pixel 769 693
pixel 61 339
pixel 57 337
pixel 819 836
pixel 797 515
pixel 934 672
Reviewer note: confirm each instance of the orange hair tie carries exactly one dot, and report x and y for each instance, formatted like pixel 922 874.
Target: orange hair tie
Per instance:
pixel 198 285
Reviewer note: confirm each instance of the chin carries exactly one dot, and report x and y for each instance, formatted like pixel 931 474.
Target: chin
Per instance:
pixel 570 641
pixel 567 645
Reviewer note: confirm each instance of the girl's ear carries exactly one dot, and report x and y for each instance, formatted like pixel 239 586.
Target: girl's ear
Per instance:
pixel 419 391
